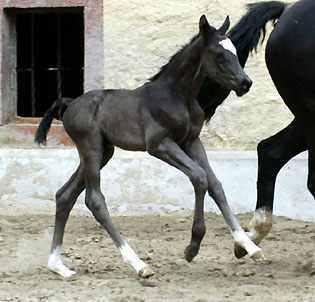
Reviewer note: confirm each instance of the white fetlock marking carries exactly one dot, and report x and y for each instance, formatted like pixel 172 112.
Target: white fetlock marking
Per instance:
pixel 260 225
pixel 228 45
pixel 242 239
pixel 131 257
pixel 55 264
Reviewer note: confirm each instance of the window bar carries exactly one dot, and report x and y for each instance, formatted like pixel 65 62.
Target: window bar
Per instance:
pixel 33 101
pixel 59 76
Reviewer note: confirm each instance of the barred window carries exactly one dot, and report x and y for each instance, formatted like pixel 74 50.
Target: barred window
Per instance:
pixel 49 57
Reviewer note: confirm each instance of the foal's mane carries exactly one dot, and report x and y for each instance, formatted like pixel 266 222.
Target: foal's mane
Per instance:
pixel 172 59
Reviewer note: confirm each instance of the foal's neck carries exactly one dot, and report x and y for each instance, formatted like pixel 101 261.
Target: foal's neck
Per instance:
pixel 188 72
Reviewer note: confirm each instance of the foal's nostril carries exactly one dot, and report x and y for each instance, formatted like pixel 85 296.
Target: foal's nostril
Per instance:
pixel 243 86
pixel 246 84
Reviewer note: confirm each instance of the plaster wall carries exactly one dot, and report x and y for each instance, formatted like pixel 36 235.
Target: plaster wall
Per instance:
pixel 141 35
pixel 135 183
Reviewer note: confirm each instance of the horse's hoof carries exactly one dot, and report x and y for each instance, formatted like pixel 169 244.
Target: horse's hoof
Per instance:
pixel 239 252
pixel 62 270
pixel 145 273
pixel 258 256
pixel 189 255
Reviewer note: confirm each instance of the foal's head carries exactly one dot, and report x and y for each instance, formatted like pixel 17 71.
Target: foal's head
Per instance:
pixel 219 58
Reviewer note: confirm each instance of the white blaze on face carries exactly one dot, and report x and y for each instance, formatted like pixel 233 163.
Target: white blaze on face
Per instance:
pixel 228 45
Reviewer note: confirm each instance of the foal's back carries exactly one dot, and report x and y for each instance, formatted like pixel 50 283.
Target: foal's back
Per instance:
pixel 112 116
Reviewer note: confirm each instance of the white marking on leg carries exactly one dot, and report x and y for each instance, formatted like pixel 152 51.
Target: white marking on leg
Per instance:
pixel 260 225
pixel 242 239
pixel 228 45
pixel 55 264
pixel 131 257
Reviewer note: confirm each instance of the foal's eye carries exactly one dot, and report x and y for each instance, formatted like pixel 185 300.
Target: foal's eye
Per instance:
pixel 219 57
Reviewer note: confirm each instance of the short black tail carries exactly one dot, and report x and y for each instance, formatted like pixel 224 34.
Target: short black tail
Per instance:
pixel 245 35
pixel 55 111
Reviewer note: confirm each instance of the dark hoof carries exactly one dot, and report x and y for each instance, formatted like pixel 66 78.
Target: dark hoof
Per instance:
pixel 239 252
pixel 190 253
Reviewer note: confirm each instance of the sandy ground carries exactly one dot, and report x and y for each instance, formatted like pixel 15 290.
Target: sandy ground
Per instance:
pixel 214 275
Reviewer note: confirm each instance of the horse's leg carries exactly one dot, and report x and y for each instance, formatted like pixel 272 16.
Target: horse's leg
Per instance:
pixel 171 153
pixel 311 165
pixel 197 152
pixel 95 201
pixel 273 153
pixel 65 200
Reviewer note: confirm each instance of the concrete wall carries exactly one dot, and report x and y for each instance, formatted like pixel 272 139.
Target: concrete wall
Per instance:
pixel 141 35
pixel 135 183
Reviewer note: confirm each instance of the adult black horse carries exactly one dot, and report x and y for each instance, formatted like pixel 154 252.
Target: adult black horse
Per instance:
pixel 161 117
pixel 290 58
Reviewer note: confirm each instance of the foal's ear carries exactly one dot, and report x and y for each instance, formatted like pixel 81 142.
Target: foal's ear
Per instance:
pixel 225 26
pixel 203 26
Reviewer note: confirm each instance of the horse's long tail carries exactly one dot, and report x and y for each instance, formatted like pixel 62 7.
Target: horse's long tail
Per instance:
pixel 55 111
pixel 252 26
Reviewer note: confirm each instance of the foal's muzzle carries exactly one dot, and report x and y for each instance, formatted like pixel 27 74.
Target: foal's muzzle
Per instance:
pixel 244 86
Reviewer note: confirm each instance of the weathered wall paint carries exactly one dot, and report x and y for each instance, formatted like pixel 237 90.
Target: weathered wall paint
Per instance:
pixel 141 35
pixel 136 183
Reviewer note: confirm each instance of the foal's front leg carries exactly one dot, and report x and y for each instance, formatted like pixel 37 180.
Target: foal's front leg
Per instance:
pixel 168 151
pixel 197 152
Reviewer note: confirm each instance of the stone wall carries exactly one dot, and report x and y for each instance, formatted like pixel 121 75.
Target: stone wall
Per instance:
pixel 141 35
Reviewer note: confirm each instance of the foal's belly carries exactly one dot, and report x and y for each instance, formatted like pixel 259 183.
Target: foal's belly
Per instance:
pixel 121 125
pixel 127 136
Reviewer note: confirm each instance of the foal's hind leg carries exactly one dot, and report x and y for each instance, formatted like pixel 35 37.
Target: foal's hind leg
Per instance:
pixel 196 151
pixel 95 201
pixel 273 153
pixel 65 200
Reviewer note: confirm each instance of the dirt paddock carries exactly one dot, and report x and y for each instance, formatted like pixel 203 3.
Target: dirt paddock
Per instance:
pixel 214 275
